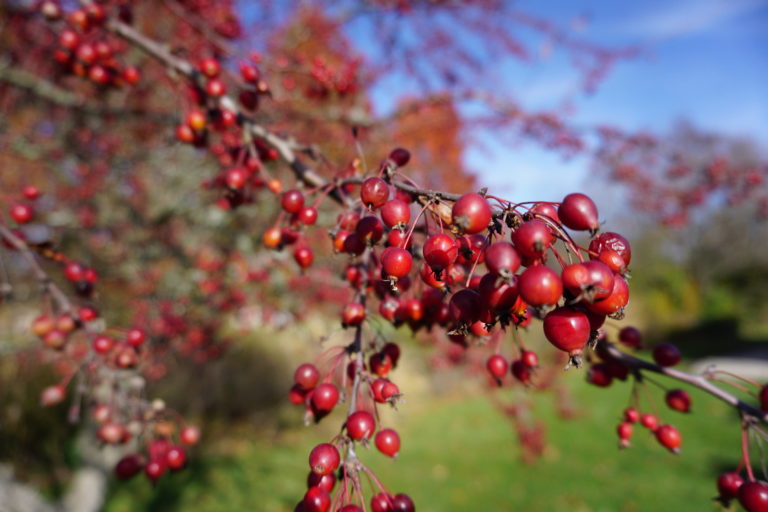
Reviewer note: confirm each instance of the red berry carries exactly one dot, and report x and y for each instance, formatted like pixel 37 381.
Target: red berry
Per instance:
pixel 236 177
pixel 55 339
pixel 532 239
pixel 678 400
pixel 382 502
pixel 22 213
pixel 380 364
pixel 112 433
pixel 374 192
pixel 631 337
pixel 196 120
pixel 578 212
pixel 50 9
pixel 69 39
pixel 764 398
pixel 497 294
pixel 190 435
pixel 306 376
pixel 388 442
pixel 52 395
pixel 529 358
pixel 547 210
pixel 297 395
pixel 383 390
pixel 317 499
pixel 502 259
pixel 128 467
pixel 209 67
pixel 393 351
pixel 396 213
pixel 176 458
pixel 540 286
pixel 396 262
pixel 103 344
pixel 631 415
pixel 612 260
pixel 400 156
pixel 185 134
pixel 324 397
pixel 465 306
pixel 728 485
pixel 42 325
pixel 567 329
pixel 624 430
pixel 471 213
pixel 669 437
pixel 30 192
pixel 403 503
pixel 613 242
pixel 618 299
pixel 649 421
pixel 324 459
pixel 521 371
pixel 599 375
pixel 327 482
pixel 440 251
pixel 666 354
pixel 131 75
pixel 136 337
pixel 249 73
pixel 361 425
pixel 497 366
pixel 87 314
pixel 215 88
pixel 351 243
pixel 308 215
pixel 353 314
pixel 753 496
pixel 304 256
pixel 397 238
pixel 292 201
pixel 370 230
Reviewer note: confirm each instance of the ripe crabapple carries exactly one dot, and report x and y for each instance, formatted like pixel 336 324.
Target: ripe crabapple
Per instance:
pixel 388 442
pixel 324 459
pixel 471 213
pixel 578 212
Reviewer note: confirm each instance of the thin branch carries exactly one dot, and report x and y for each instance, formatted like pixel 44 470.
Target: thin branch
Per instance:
pixel 52 93
pixel 698 381
pixel 47 283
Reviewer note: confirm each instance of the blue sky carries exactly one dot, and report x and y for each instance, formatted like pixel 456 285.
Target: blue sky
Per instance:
pixel 703 60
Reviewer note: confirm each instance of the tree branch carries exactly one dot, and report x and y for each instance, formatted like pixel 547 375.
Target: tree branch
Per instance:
pixel 47 283
pixel 698 381
pixel 52 93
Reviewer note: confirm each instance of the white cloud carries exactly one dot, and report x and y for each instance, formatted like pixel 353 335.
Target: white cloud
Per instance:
pixel 689 17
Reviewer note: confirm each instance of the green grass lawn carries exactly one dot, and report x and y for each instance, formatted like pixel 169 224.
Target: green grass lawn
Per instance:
pixel 460 454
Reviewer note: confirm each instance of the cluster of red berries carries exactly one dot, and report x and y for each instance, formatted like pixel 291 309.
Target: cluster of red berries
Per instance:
pixel 368 385
pixel 83 52
pixel 329 80
pixel 22 212
pixel 107 358
pixel 162 454
pixel 521 368
pixel 751 494
pixel 324 462
pixel 667 435
pixel 457 240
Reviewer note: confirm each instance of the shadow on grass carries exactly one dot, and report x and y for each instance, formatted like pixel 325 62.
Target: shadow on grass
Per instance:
pixel 713 338
pixel 166 495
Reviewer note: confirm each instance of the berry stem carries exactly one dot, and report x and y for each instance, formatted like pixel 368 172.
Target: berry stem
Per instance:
pixel 745 449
